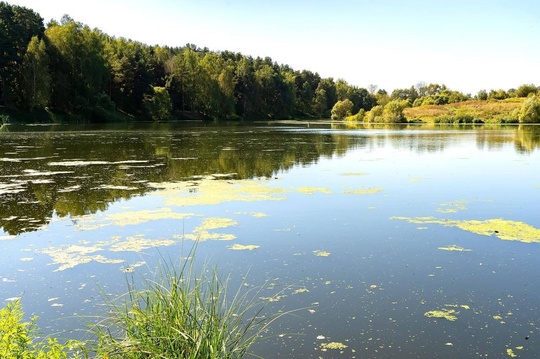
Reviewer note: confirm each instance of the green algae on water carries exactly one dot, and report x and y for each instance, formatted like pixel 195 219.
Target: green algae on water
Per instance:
pixel 312 190
pixel 209 191
pixel 504 229
pixel 333 345
pixel 454 248
pixel 240 247
pixel 364 191
pixel 445 313
pixel 321 253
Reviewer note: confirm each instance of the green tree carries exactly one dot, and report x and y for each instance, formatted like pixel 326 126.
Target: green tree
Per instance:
pixel 342 109
pixel 159 104
pixel 319 102
pixel 526 90
pixel 374 115
pixel 393 111
pixel 77 66
pixel 497 95
pixel 37 79
pixel 17 27
pixel 530 110
pixel 482 95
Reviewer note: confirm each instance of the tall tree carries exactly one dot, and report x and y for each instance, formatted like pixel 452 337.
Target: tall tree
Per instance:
pixel 37 79
pixel 17 27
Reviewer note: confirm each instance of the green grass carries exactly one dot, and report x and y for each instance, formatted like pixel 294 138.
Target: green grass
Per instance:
pixel 178 313
pixel 492 111
pixel 182 314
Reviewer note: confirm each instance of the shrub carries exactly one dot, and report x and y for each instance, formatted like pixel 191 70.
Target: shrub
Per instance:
pixel 17 338
pixel 530 110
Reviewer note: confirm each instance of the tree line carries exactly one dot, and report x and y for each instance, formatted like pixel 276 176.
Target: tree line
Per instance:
pixel 68 69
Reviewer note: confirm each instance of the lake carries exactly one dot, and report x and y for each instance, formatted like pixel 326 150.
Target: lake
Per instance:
pixel 392 241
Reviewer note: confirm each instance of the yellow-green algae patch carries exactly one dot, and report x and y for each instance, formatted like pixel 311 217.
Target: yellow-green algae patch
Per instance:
pixel 212 192
pixel 511 353
pixel 301 290
pixel 202 233
pixel 312 190
pixel 364 191
pixel 350 174
pixel 321 253
pixel 240 247
pixel 448 314
pixel 454 248
pixel 253 214
pixel 71 256
pixel 138 243
pixel 88 223
pixel 333 345
pixel 501 228
pixel 137 217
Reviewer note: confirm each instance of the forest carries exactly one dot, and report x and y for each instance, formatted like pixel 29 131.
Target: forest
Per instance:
pixel 66 71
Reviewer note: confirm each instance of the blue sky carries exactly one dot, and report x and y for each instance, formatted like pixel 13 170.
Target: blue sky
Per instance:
pixel 467 45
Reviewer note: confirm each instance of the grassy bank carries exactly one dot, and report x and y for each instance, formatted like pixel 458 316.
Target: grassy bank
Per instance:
pixel 492 111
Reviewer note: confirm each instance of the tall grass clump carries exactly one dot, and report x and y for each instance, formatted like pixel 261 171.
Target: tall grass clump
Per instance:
pixel 182 314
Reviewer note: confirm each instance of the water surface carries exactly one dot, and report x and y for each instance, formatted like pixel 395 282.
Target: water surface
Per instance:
pixel 374 231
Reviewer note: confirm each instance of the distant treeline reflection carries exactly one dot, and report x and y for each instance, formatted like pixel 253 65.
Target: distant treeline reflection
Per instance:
pixel 58 171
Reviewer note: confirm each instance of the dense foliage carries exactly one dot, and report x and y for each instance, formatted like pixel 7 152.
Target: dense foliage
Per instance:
pixel 68 70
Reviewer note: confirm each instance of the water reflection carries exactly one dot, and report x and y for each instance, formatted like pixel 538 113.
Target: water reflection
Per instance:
pixel 76 171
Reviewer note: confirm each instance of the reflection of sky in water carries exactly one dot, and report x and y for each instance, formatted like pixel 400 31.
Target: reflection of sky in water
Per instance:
pixel 381 274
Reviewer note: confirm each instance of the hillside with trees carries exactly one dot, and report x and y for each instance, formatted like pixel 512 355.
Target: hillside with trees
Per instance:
pixel 66 71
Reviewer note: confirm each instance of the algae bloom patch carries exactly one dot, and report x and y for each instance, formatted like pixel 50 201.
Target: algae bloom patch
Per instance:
pixel 240 247
pixel 364 191
pixel 454 248
pixel 312 190
pixel 212 192
pixel 333 345
pixel 448 314
pixel 321 253
pixel 504 229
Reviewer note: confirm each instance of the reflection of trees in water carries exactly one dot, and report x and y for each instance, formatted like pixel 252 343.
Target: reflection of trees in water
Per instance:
pixel 527 138
pixel 110 168
pixel 107 166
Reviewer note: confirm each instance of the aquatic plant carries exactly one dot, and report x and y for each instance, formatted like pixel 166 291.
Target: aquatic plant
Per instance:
pixel 182 314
